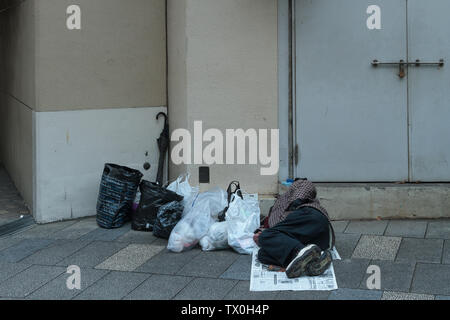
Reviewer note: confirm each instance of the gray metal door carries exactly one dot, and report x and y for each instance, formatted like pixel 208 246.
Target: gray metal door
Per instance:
pixel 429 90
pixel 351 118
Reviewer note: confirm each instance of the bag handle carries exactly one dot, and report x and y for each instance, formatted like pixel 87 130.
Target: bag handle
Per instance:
pixel 230 193
pixel 182 178
pixel 237 190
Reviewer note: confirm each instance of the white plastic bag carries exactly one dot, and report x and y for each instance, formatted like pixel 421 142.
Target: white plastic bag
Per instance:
pixel 197 219
pixel 217 237
pixel 182 187
pixel 243 217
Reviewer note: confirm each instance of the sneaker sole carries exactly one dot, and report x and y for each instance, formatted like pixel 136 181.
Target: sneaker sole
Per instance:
pixel 319 268
pixel 298 267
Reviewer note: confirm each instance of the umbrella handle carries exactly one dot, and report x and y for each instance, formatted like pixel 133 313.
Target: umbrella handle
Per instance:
pixel 162 114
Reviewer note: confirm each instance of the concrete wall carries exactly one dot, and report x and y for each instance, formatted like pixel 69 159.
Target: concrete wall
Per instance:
pixel 73 147
pixel 17 92
pixel 117 59
pixel 98 91
pixel 72 100
pixel 222 59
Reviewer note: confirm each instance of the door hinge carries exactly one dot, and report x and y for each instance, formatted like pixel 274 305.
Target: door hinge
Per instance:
pixel 296 155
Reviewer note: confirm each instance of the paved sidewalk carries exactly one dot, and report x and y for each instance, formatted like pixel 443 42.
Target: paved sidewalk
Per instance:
pixel 414 257
pixel 12 205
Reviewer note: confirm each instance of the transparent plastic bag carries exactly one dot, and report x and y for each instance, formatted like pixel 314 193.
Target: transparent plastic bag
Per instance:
pixel 217 237
pixel 197 219
pixel 182 187
pixel 243 217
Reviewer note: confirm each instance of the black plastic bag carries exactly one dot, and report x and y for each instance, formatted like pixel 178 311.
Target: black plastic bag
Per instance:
pixel 118 189
pixel 153 197
pixel 167 218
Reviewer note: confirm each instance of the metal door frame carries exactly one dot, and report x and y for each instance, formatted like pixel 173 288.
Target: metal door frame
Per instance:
pixel 286 88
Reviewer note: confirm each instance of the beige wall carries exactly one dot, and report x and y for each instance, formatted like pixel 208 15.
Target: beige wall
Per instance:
pixel 117 59
pixel 223 70
pixel 177 72
pixel 17 95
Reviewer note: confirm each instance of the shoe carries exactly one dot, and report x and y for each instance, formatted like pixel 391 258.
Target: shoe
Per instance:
pixel 318 267
pixel 297 267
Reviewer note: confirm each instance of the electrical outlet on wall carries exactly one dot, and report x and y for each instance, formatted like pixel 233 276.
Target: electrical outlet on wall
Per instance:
pixel 204 175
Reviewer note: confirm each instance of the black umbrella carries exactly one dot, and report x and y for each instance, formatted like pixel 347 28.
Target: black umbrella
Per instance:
pixel 163 145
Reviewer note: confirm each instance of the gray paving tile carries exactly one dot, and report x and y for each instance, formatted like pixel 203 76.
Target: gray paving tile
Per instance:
pixel 346 244
pixel 57 288
pixel 93 254
pixel 8 242
pixel 367 227
pixel 420 250
pixel 442 298
pixel 394 276
pixel 8 270
pixel 242 292
pixel 431 279
pixel 159 287
pixel 168 263
pixel 339 226
pixel 44 231
pixel 406 228
pixel 388 295
pixel 131 257
pixel 209 264
pixel 446 253
pixel 137 237
pixel 303 295
pixel 439 229
pixel 56 252
pixel 206 289
pixel 377 248
pixel 23 249
pixel 240 269
pixel 355 294
pixel 77 230
pixel 350 273
pixel 29 280
pixel 114 286
pixel 100 234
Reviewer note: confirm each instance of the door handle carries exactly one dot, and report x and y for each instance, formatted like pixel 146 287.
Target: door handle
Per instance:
pixel 402 63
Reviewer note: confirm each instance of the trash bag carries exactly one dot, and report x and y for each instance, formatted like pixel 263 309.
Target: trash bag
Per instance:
pixel 118 189
pixel 135 204
pixel 243 217
pixel 197 219
pixel 182 187
pixel 153 197
pixel 230 192
pixel 217 237
pixel 167 218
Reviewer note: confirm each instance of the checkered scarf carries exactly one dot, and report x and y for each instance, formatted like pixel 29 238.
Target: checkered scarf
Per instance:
pixel 301 189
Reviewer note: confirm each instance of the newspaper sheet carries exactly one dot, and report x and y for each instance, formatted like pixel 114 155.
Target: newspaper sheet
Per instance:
pixel 264 280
